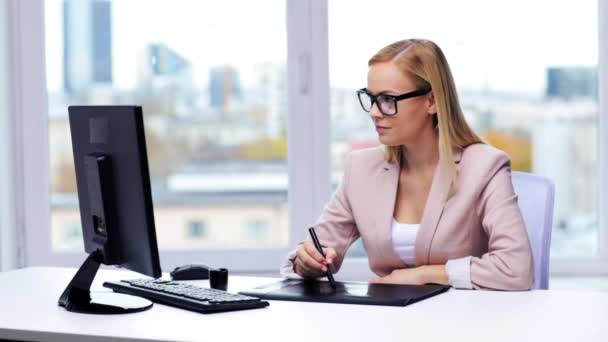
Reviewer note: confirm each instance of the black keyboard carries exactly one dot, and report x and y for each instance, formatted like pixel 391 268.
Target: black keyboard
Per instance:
pixel 186 296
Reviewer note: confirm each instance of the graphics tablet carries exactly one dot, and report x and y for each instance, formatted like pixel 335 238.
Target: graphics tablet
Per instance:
pixel 346 292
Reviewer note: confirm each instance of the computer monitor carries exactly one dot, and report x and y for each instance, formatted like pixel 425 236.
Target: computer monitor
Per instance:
pixel 115 204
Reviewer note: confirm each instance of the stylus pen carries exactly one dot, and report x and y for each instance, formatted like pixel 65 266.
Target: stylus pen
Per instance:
pixel 315 240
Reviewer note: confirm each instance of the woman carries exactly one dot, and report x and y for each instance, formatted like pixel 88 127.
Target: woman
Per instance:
pixel 434 204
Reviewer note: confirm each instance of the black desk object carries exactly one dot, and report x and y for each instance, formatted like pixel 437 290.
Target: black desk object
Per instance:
pixel 346 292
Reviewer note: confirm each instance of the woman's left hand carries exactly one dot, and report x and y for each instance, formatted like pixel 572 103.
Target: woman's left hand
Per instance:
pixel 415 276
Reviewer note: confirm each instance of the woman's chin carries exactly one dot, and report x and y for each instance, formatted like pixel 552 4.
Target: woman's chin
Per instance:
pixel 387 141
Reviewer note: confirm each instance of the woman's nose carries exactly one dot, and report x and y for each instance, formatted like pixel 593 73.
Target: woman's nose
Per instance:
pixel 374 112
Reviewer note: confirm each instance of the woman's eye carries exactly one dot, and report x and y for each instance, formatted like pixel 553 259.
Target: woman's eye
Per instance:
pixel 385 99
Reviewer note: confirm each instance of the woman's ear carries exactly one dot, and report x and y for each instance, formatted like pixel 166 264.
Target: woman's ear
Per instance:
pixel 431 105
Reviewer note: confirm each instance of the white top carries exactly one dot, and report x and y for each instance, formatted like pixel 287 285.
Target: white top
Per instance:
pixel 404 244
pixel 30 312
pixel 404 241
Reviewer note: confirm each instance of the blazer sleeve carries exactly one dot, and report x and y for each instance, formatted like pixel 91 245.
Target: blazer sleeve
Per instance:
pixel 508 263
pixel 335 227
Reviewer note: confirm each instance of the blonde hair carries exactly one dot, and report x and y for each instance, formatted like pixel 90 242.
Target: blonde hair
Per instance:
pixel 425 63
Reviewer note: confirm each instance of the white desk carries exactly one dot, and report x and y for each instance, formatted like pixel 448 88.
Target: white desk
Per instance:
pixel 29 311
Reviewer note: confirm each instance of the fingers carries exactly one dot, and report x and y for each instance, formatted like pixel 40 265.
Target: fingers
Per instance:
pixel 313 259
pixel 330 254
pixel 307 266
pixel 306 271
pixel 300 269
pixel 310 263
pixel 312 251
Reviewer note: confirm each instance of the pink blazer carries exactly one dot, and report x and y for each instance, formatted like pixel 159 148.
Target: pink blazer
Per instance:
pixel 482 219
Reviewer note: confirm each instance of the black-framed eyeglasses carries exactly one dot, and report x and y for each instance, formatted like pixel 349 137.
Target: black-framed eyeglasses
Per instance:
pixel 387 104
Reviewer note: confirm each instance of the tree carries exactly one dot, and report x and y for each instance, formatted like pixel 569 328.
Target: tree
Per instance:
pixel 519 149
pixel 266 149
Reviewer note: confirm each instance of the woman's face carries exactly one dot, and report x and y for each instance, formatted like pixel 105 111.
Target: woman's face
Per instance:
pixel 414 115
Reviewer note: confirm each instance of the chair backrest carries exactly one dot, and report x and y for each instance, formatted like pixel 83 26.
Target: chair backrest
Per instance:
pixel 535 198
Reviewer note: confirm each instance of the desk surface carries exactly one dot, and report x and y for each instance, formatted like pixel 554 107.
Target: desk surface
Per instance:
pixel 30 312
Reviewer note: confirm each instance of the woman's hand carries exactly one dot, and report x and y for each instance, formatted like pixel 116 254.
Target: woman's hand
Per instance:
pixel 415 276
pixel 309 263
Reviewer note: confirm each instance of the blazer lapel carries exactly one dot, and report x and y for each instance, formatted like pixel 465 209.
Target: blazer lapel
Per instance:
pixel 432 211
pixel 387 181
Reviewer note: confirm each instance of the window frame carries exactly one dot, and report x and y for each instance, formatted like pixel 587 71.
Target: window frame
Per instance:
pixel 603 127
pixel 308 145
pixel 27 97
pixel 8 249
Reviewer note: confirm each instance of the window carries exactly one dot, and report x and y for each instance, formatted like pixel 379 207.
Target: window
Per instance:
pixel 196 230
pixel 528 89
pixel 71 235
pixel 256 230
pixel 186 67
pixel 215 113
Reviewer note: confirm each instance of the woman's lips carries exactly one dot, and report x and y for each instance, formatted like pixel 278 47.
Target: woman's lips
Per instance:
pixel 381 129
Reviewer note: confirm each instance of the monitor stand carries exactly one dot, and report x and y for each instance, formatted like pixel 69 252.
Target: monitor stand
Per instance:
pixel 77 296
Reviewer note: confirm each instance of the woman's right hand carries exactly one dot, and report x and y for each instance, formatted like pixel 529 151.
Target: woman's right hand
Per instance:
pixel 309 263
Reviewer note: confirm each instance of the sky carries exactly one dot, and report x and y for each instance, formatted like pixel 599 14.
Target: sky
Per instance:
pixel 503 45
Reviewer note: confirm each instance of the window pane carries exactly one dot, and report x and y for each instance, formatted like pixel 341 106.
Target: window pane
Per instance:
pixel 197 230
pixel 529 89
pixel 211 78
